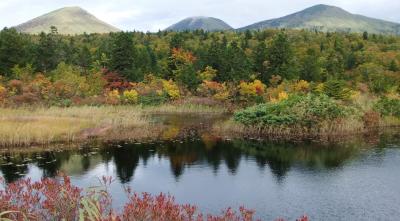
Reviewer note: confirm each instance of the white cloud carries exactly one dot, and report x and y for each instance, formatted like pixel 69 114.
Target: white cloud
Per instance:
pixel 158 14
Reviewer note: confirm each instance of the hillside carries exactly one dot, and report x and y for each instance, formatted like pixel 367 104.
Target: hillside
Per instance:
pixel 328 18
pixel 69 20
pixel 200 23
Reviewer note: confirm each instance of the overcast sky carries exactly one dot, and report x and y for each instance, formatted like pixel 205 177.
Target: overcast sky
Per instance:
pixel 152 15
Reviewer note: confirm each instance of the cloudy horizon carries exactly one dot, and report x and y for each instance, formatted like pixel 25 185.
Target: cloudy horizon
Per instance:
pixel 150 15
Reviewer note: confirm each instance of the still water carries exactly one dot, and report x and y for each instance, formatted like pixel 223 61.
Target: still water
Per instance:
pixel 353 181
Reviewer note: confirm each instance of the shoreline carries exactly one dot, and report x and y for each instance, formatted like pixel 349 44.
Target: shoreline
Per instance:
pixel 81 125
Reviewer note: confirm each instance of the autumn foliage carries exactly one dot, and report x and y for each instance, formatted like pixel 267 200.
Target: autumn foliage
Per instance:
pixel 58 199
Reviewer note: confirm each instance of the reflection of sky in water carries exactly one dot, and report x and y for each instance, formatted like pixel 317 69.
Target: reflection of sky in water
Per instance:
pixel 328 184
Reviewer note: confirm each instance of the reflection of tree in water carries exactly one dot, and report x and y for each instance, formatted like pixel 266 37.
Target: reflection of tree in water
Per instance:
pixel 127 159
pixel 282 157
pixel 51 162
pixel 13 167
pixel 209 152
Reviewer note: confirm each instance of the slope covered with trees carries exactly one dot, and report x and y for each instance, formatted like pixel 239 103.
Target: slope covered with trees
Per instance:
pixel 277 67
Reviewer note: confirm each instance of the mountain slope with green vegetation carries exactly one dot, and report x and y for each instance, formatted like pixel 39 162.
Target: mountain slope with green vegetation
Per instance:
pixel 328 18
pixel 200 23
pixel 69 20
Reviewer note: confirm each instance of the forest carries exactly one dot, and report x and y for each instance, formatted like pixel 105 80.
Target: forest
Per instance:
pixel 291 78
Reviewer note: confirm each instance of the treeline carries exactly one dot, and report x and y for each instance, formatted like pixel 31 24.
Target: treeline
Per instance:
pixel 198 59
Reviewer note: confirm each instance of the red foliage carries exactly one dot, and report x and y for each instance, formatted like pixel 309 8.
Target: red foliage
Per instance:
pixel 58 199
pixel 115 81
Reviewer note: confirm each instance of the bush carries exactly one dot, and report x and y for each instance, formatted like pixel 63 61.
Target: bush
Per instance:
pixel 303 110
pixel 152 99
pixel 131 96
pixel 59 199
pixel 388 107
pixel 251 90
pixel 3 93
pixel 171 89
pixel 113 97
pixel 336 89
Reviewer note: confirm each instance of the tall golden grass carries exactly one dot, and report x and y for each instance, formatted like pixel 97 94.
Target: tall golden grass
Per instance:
pixel 24 126
pixel 42 126
pixel 322 132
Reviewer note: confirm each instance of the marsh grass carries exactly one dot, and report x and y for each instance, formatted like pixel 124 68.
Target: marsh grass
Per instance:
pixel 185 109
pixel 325 131
pixel 24 126
pixel 31 126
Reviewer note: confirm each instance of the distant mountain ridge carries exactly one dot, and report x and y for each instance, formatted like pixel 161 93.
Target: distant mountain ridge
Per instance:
pixel 68 20
pixel 200 23
pixel 328 18
pixel 75 20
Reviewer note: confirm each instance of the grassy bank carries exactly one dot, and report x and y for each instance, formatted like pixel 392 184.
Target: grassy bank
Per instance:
pixel 43 126
pixel 310 117
pixel 24 126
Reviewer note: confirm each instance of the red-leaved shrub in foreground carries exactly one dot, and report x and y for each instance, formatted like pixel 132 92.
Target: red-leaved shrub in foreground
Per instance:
pixel 58 199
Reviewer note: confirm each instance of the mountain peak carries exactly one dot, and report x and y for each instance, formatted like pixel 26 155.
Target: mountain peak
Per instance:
pixel 328 18
pixel 200 23
pixel 68 20
pixel 326 9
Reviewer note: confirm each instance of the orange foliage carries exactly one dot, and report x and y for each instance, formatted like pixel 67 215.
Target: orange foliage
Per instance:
pixel 182 56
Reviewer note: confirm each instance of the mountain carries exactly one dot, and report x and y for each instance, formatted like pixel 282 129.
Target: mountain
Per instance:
pixel 69 20
pixel 200 23
pixel 328 18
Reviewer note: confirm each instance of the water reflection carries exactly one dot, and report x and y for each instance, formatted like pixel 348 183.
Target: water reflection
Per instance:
pixel 205 152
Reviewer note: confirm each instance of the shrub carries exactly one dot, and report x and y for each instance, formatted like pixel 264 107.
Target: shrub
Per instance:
pixel 69 82
pixel 252 89
pixel 131 96
pixel 152 99
pixel 171 89
pixel 306 110
pixel 301 86
pixel 58 199
pixel 113 97
pixel 208 74
pixel 214 89
pixel 15 87
pixel 388 107
pixel 337 89
pixel 3 93
pixel 42 86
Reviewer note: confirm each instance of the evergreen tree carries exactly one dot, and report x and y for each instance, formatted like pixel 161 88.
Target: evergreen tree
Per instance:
pixel 365 35
pixel 393 66
pixel 47 52
pixel 260 61
pixel 85 58
pixel 280 57
pixel 12 51
pixel 311 68
pixel 122 54
pixel 239 66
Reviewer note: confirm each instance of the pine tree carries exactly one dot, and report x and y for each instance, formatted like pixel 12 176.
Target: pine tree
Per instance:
pixel 280 57
pixel 122 54
pixel 259 61
pixel 47 52
pixel 12 51
pixel 393 66
pixel 311 68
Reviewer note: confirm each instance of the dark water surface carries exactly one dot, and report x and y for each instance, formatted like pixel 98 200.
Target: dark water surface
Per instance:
pixel 354 181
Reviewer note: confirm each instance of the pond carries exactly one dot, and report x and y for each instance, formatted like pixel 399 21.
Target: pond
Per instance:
pixel 351 181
